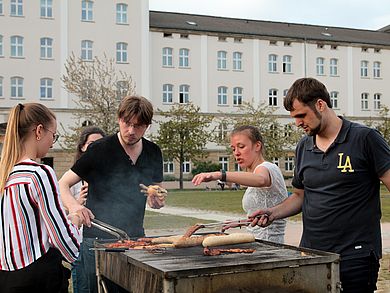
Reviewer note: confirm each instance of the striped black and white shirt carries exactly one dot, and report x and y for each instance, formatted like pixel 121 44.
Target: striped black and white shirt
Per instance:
pixel 32 218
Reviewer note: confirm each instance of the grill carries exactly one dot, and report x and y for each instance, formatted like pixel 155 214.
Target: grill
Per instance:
pixel 271 268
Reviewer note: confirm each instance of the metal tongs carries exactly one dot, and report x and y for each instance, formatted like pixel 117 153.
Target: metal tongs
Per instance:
pixel 231 223
pixel 120 234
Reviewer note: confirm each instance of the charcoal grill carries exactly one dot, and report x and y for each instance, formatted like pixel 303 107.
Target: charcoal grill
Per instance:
pixel 271 268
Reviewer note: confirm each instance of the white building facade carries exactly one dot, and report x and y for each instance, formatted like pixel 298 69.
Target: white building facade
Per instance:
pixel 216 63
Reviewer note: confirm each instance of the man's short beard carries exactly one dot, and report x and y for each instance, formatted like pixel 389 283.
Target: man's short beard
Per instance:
pixel 316 130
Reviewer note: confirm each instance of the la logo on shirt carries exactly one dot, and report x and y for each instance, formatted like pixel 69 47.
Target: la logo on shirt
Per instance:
pixel 345 164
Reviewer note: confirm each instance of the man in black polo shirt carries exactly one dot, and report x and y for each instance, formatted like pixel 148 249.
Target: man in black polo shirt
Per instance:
pixel 114 167
pixel 338 169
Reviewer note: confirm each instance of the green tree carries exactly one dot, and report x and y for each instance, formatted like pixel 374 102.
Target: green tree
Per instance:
pixel 99 87
pixel 382 124
pixel 278 138
pixel 183 134
pixel 202 166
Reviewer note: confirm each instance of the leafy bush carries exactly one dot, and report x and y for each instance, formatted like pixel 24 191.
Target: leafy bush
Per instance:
pixel 208 166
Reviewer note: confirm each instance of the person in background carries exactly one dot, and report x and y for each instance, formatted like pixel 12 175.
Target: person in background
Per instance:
pixel 265 181
pixel 338 169
pixel 35 233
pixel 114 167
pixel 80 190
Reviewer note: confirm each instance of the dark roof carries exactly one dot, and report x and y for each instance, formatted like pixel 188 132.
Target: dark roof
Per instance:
pixel 170 21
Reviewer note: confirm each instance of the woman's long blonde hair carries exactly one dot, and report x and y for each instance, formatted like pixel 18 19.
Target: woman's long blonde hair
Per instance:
pixel 23 118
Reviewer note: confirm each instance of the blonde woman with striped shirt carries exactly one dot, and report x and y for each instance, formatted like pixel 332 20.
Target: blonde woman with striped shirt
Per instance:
pixel 35 233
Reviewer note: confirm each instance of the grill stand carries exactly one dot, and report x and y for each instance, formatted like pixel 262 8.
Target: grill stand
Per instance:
pixel 273 268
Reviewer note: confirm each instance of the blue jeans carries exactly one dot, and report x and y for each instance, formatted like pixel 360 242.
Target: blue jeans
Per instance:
pixel 86 269
pixel 359 275
pixel 86 278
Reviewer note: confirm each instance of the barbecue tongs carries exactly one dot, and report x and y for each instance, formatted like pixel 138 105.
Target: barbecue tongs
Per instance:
pixel 120 234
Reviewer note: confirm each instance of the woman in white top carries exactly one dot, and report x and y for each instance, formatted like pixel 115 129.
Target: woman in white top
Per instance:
pixel 265 181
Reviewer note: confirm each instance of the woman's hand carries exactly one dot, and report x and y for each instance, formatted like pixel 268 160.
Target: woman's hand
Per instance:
pixel 82 199
pixel 206 177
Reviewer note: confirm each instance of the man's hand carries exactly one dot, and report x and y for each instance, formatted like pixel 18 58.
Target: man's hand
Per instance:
pixel 85 214
pixel 262 218
pixel 155 195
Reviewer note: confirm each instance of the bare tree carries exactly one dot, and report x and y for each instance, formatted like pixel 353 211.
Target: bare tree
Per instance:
pixel 99 87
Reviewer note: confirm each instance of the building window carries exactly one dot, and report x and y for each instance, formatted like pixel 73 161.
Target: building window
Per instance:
pixel 333 67
pixel 168 167
pixel 167 93
pixel 16 8
pixel 1 7
pixel 184 57
pixel 16 87
pixel 86 10
pixel 222 131
pixel 222 60
pixel 275 161
pixel 183 36
pixel 377 69
pixel 237 96
pixel 224 162
pixel 289 163
pixel 237 61
pixel 237 168
pixel 184 94
pixel 334 97
pixel 121 13
pixel 86 50
pixel 273 97
pixel 86 89
pixel 16 46
pixel 320 66
pixel 46 88
pixel 364 101
pixel 272 63
pixel 186 167
pixel 222 95
pixel 121 52
pixel 1 86
pixel 167 57
pixel 377 101
pixel 287 64
pixel 122 89
pixel 364 69
pixel 288 130
pixel 285 92
pixel 1 46
pixel 47 8
pixel 46 48
pixel 274 130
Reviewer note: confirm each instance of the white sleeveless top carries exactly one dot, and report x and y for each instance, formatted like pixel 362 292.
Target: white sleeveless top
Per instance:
pixel 256 198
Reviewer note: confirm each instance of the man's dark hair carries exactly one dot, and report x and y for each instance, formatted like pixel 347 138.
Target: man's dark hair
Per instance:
pixel 307 91
pixel 136 107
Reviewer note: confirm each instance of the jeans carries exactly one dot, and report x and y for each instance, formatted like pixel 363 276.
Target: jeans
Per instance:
pixel 359 275
pixel 86 278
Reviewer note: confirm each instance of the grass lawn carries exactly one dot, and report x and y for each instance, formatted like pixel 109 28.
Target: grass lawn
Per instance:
pixel 230 201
